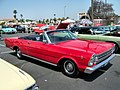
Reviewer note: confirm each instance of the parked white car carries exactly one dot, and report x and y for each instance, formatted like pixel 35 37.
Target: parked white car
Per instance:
pixel 6 29
pixel 101 29
pixel 13 78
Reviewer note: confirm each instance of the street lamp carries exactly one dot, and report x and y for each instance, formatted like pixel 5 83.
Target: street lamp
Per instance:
pixel 105 1
pixel 54 15
pixel 64 11
pixel 92 10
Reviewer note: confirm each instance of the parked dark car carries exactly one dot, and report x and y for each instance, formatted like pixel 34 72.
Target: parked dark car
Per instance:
pixel 91 29
pixel 19 28
pixel 80 30
pixel 115 32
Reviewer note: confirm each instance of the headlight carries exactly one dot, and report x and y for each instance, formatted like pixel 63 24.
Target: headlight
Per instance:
pixel 113 49
pixel 118 32
pixel 93 60
pixel 33 87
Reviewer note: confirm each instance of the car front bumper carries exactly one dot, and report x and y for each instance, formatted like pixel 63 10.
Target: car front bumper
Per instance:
pixel 89 70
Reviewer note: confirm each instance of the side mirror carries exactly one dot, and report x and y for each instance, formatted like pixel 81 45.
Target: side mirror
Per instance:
pixel 19 38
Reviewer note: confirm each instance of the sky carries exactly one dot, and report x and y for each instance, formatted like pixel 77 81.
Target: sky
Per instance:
pixel 43 9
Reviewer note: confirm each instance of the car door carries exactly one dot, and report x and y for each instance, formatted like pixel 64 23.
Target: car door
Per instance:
pixel 36 47
pixel 44 51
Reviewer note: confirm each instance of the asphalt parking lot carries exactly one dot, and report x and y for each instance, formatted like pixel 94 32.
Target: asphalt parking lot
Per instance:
pixel 50 77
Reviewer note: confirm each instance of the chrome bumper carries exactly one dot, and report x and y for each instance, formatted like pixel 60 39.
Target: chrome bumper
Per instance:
pixel 89 70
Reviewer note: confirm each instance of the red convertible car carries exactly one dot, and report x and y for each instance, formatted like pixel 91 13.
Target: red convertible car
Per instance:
pixel 62 48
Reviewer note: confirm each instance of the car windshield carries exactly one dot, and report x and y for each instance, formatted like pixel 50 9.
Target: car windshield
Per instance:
pixel 60 35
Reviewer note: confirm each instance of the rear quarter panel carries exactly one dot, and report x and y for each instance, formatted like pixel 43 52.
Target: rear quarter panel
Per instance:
pixel 15 42
pixel 9 42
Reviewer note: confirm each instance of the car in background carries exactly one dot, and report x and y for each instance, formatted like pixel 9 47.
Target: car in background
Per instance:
pixel 34 27
pixel 88 34
pixel 117 26
pixel 19 28
pixel 114 32
pixel 91 29
pixel 43 28
pixel 112 28
pixel 63 49
pixel 101 29
pixel 13 78
pixel 6 29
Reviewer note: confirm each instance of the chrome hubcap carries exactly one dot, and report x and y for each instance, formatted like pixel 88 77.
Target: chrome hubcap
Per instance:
pixel 69 67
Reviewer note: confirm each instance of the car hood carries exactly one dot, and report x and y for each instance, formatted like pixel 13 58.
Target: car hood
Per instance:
pixel 87 45
pixel 62 25
pixel 13 78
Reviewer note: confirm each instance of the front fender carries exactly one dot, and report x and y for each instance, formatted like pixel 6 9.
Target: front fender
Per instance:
pixel 77 61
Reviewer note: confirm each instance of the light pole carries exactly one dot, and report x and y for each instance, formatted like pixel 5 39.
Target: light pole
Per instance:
pixel 64 11
pixel 92 17
pixel 105 1
pixel 54 15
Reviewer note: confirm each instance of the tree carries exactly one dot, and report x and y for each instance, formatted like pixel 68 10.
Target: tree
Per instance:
pixel 43 21
pixel 47 21
pixel 54 20
pixel 51 20
pixel 39 21
pixel 67 18
pixel 21 16
pixel 15 12
pixel 63 19
pixel 3 23
pixel 21 20
pixel 101 10
pixel 29 20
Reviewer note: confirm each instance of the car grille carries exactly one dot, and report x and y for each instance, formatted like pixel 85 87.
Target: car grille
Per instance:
pixel 105 55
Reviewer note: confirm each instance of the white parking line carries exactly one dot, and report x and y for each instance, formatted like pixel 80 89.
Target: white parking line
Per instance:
pixel 6 52
pixel 2 45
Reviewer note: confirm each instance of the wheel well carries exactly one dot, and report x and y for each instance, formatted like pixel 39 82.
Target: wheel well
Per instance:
pixel 62 60
pixel 36 33
pixel 15 47
pixel 114 43
pixel 117 47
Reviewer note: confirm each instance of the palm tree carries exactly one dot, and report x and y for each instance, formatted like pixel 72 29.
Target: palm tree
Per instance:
pixel 21 16
pixel 15 12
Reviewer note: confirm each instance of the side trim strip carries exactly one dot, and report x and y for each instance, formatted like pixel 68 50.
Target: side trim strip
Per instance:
pixel 40 60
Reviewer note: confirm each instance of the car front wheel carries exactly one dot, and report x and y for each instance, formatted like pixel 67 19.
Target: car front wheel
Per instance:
pixel 69 68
